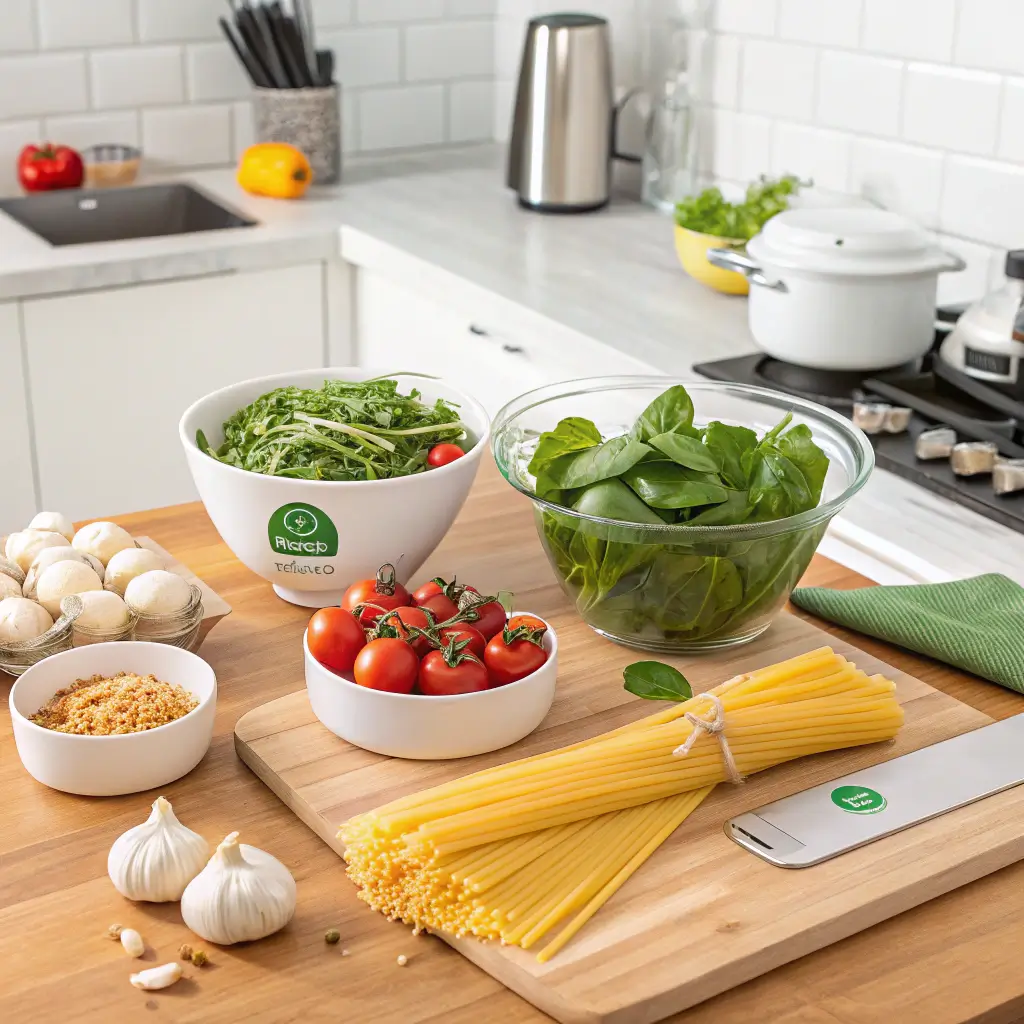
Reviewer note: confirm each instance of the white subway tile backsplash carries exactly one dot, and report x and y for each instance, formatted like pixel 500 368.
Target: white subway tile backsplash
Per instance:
pixel 984 201
pixel 740 145
pixel 971 282
pixel 364 56
pixel 859 93
pixel 815 153
pixel 81 130
pixel 64 24
pixel 835 23
pixel 471 8
pixel 1011 128
pixel 14 136
pixel 443 50
pixel 19 20
pixel 906 179
pixel 214 73
pixel 410 115
pixel 243 127
pixel 746 17
pixel 137 76
pixel 945 106
pixel 187 136
pixel 915 29
pixel 398 10
pixel 163 21
pixel 989 34
pixel 331 13
pixel 51 83
pixel 723 53
pixel 470 111
pixel 778 79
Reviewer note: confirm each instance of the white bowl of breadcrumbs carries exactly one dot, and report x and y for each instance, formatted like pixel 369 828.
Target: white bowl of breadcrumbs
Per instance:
pixel 114 718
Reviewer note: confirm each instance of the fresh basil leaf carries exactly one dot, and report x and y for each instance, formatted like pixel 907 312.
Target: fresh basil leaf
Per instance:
pixel 736 509
pixel 730 443
pixel 654 680
pixel 666 485
pixel 601 462
pixel 570 435
pixel 670 413
pixel 797 445
pixel 612 499
pixel 687 451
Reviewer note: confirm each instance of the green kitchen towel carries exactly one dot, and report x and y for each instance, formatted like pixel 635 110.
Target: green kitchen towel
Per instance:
pixel 975 624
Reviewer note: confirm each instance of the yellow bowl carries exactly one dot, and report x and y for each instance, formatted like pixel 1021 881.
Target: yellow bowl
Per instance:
pixel 692 247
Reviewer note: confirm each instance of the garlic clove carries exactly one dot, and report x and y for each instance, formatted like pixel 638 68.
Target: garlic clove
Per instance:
pixel 242 894
pixel 156 860
pixel 132 942
pixel 157 977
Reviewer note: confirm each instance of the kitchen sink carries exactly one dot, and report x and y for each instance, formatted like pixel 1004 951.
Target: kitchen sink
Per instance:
pixel 81 216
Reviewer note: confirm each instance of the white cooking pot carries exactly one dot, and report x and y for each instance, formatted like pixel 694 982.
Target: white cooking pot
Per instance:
pixel 841 288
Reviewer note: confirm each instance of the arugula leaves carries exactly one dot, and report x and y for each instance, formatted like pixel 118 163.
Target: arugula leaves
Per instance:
pixel 628 581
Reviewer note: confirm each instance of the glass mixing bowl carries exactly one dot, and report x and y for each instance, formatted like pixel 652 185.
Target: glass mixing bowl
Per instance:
pixel 675 587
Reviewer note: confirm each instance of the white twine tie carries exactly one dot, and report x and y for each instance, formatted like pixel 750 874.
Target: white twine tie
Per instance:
pixel 713 726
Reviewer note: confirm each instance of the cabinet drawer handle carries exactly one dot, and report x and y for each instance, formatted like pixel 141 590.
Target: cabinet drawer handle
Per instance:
pixel 512 350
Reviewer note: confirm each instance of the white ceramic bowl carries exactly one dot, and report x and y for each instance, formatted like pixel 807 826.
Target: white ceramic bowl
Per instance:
pixel 432 728
pixel 369 522
pixel 113 765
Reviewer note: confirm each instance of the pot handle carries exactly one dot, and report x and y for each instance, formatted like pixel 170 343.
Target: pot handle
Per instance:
pixel 951 262
pixel 740 263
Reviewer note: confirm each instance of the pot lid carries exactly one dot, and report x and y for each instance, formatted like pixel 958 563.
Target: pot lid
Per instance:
pixel 847 240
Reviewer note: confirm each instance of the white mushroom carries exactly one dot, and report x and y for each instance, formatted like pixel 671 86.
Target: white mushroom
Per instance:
pixel 158 592
pixel 54 522
pixel 9 587
pixel 63 579
pixel 22 547
pixel 102 610
pixel 22 619
pixel 50 556
pixel 103 540
pixel 127 564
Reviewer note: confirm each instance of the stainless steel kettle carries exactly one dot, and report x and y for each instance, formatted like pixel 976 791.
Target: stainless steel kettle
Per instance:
pixel 563 124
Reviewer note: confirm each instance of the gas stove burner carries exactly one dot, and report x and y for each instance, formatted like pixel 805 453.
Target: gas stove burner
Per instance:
pixel 838 389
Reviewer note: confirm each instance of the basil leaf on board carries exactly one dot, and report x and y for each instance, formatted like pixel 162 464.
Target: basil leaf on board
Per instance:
pixel 730 443
pixel 601 462
pixel 666 485
pixel 670 413
pixel 654 680
pixel 687 451
pixel 612 499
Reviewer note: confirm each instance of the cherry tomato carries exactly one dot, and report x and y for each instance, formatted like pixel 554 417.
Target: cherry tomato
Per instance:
pixel 529 621
pixel 437 678
pixel 369 592
pixel 463 631
pixel 508 662
pixel 402 619
pixel 442 454
pixel 427 591
pixel 491 618
pixel 387 663
pixel 442 607
pixel 335 638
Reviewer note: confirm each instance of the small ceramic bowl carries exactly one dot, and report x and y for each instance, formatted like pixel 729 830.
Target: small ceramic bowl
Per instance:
pixel 432 728
pixel 692 249
pixel 113 765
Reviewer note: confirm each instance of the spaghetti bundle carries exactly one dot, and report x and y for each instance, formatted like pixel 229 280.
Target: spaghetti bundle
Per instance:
pixel 513 851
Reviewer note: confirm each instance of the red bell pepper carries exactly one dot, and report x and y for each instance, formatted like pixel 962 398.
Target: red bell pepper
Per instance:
pixel 47 167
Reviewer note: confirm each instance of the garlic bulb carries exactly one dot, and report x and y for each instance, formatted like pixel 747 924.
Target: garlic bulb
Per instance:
pixel 103 611
pixel 103 540
pixel 156 860
pixel 9 587
pixel 22 619
pixel 241 895
pixel 158 592
pixel 53 521
pixel 50 556
pixel 63 579
pixel 127 564
pixel 22 548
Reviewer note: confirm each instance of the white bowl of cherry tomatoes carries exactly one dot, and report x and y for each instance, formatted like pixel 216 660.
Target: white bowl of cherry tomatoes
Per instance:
pixel 441 673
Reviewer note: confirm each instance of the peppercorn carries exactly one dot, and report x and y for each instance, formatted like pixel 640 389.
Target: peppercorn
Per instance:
pixel 184 951
pixel 114 932
pixel 332 936
pixel 200 959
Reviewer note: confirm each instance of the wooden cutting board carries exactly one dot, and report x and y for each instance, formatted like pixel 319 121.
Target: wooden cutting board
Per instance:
pixel 702 915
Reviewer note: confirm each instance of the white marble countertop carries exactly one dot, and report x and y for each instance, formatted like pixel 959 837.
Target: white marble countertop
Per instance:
pixel 612 276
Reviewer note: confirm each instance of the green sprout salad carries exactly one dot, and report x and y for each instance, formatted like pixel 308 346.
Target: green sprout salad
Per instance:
pixel 346 430
pixel 644 582
pixel 711 214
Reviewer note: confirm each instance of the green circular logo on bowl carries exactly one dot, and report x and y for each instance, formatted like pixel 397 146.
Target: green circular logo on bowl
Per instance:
pixel 858 799
pixel 302 530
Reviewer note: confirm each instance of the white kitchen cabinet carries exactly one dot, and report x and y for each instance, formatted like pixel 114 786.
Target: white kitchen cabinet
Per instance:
pixel 112 371
pixel 17 489
pixel 490 348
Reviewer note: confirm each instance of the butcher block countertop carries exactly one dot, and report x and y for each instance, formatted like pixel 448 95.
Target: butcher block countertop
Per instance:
pixel 954 959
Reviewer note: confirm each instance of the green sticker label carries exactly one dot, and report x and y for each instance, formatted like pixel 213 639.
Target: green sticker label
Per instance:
pixel 302 530
pixel 858 799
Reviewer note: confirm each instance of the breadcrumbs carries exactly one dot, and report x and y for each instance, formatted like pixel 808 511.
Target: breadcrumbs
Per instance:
pixel 114 705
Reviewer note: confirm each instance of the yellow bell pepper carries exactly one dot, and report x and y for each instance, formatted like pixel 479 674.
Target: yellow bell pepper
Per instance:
pixel 274 169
